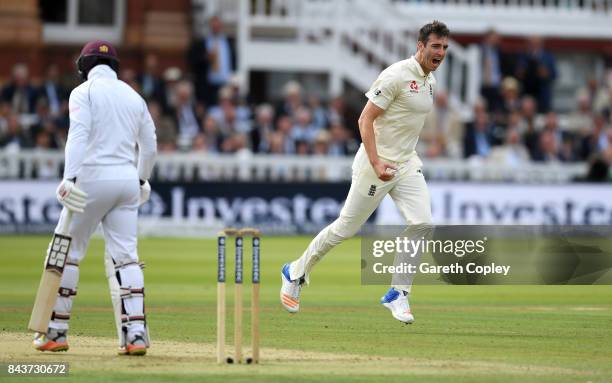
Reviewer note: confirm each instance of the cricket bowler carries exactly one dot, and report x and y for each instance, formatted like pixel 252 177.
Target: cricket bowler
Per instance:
pixel 386 163
pixel 110 153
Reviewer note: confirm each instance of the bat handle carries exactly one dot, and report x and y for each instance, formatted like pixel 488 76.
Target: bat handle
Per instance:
pixel 65 223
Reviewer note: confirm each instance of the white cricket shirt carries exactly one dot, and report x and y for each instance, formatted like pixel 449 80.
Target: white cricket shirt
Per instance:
pixel 108 119
pixel 406 94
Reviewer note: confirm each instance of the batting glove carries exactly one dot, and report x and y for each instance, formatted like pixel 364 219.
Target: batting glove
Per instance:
pixel 69 195
pixel 145 192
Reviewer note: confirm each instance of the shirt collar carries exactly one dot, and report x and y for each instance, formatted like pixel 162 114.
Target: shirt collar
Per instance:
pixel 417 66
pixel 101 71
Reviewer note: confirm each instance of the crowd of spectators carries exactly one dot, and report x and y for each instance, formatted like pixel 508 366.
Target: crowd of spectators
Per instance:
pixel 514 122
pixel 205 111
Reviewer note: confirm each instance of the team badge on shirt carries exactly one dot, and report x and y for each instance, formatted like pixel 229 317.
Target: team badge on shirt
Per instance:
pixel 414 87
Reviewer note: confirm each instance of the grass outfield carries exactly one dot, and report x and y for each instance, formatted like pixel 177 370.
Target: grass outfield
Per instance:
pixel 461 334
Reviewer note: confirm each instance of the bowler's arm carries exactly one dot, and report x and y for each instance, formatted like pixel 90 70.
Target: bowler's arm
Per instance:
pixel 366 129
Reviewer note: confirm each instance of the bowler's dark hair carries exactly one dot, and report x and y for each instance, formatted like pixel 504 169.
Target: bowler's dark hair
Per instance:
pixel 436 27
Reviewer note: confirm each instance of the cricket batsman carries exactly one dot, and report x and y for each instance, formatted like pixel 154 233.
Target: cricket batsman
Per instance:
pixel 386 163
pixel 110 127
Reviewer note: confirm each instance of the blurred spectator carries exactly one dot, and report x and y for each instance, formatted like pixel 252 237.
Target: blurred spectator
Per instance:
pixel 5 112
pixel 548 150
pixel 444 125
pixel 230 117
pixel 568 150
pixel 262 128
pixel 336 111
pixel 562 140
pixel 510 100
pixel 128 75
pixel 14 138
pixel 184 114
pixel 52 91
pixel 303 128
pixel 220 58
pixel 478 138
pixel 302 148
pixel 536 68
pixel 321 144
pixel 318 112
pixel 528 125
pixel 595 141
pixel 512 152
pixel 48 128
pixel 200 144
pixel 581 119
pixel 19 93
pixel 283 142
pixel 491 70
pixel 603 97
pixel 341 141
pixel 164 126
pixel 292 100
pixel 277 143
pixel 151 83
pixel 214 138
pixel 237 143
pixel 45 169
pixel 197 61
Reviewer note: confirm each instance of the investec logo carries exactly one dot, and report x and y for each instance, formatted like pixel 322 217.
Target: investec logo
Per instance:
pixel 297 209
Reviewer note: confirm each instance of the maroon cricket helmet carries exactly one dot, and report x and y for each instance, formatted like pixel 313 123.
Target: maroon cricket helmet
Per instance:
pixel 95 53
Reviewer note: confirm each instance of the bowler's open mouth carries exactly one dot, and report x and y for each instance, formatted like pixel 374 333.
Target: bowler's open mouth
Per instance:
pixel 436 61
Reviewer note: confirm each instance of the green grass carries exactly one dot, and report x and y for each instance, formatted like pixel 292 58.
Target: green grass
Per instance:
pixel 462 333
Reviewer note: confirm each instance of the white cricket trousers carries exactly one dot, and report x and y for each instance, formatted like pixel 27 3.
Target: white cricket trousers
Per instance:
pixel 407 189
pixel 113 194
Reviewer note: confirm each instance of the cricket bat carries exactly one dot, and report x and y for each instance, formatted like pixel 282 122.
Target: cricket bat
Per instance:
pixel 51 277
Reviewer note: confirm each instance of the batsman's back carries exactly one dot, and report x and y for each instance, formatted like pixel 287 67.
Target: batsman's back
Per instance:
pixel 117 119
